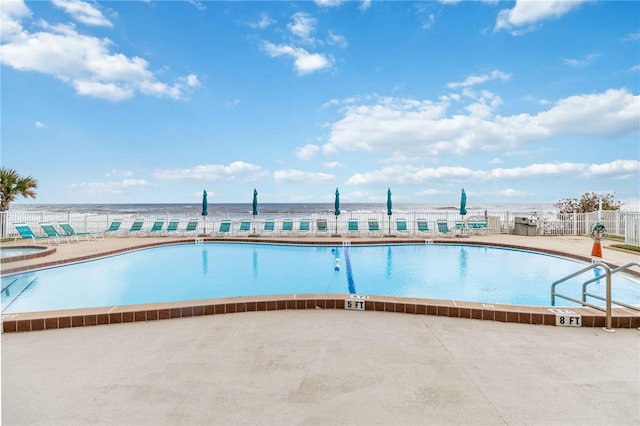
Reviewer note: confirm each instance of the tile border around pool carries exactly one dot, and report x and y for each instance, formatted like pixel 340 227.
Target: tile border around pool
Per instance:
pixel 621 317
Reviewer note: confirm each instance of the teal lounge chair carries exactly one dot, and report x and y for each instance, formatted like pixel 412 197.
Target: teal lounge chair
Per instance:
pixel 462 229
pixel 172 227
pixel 114 228
pixel 374 227
pixel 304 227
pixel 156 228
pixel 423 227
pixel 245 226
pixel 191 228
pixel 269 225
pixel 69 231
pixel 353 226
pixel 224 229
pixel 136 227
pixel 321 226
pixel 443 228
pixel 401 226
pixel 26 233
pixel 287 227
pixel 53 233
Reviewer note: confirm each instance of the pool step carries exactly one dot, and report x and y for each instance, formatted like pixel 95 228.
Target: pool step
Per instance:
pixel 14 287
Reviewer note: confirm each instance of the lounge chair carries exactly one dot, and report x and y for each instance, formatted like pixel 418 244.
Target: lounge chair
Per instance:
pixel 269 226
pixel 53 233
pixel 443 228
pixel 191 228
pixel 287 227
pixel 26 232
pixel 462 229
pixel 245 226
pixel 401 226
pixel 224 229
pixel 172 227
pixel 69 231
pixel 423 227
pixel 156 228
pixel 353 226
pixel 114 228
pixel 321 226
pixel 374 227
pixel 483 226
pixel 136 227
pixel 304 227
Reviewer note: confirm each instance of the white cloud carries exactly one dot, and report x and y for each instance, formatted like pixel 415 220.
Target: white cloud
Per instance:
pixel 527 13
pixel 263 23
pixel 337 40
pixel 116 172
pixel 415 129
pixel 328 3
pixel 110 187
pixel 408 175
pixel 334 165
pixel 365 4
pixel 303 26
pixel 211 172
pixel 307 152
pixel 84 62
pixel 582 62
pixel 473 80
pixel 304 62
pixel 40 125
pixel 513 193
pixel 284 176
pixel 83 12
pixel 11 15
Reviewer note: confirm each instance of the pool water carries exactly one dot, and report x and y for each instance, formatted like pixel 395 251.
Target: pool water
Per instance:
pixel 202 271
pixel 18 251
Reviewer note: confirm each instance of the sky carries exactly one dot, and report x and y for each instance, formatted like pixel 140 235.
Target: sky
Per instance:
pixel 155 101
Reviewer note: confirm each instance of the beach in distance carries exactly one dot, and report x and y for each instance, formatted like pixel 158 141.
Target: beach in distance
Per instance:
pixel 240 210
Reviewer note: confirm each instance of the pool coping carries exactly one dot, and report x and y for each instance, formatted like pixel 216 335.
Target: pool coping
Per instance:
pixel 542 315
pixel 45 251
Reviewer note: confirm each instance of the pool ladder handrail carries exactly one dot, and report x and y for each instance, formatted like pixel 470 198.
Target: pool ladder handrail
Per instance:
pixel 607 299
pixel 594 265
pixel 585 293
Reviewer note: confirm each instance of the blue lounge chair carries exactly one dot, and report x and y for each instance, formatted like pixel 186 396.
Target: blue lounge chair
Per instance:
pixel 69 231
pixel 26 233
pixel 245 226
pixel 462 229
pixel 423 227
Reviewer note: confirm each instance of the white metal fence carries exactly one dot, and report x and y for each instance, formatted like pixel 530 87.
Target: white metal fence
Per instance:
pixel 548 223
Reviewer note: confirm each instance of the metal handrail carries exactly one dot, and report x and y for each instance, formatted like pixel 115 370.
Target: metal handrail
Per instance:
pixel 613 271
pixel 607 271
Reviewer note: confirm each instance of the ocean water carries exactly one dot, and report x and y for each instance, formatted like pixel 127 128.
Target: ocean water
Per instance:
pixel 241 210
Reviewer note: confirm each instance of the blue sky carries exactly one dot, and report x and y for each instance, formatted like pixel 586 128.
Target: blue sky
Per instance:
pixel 154 101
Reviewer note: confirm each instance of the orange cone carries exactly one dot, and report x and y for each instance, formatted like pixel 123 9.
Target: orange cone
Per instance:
pixel 596 251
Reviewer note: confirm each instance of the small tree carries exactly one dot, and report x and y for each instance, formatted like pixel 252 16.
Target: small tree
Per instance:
pixel 13 185
pixel 589 202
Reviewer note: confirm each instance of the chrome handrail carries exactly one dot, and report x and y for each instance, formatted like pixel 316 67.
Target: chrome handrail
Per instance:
pixel 594 265
pixel 613 271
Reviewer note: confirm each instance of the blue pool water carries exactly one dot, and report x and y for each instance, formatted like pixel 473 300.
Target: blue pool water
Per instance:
pixel 190 271
pixel 18 251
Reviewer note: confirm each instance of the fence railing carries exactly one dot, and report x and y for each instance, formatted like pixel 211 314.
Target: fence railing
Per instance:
pixel 548 223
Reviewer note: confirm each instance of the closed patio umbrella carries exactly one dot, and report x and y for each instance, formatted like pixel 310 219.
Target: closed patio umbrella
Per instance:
pixel 255 208
pixel 389 205
pixel 336 208
pixel 205 209
pixel 463 203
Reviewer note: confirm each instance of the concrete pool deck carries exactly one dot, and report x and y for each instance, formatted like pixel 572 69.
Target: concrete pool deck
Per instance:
pixel 323 366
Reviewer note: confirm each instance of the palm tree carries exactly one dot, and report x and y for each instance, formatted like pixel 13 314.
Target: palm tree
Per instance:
pixel 13 185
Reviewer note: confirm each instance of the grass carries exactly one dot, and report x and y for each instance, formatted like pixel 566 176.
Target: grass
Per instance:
pixel 627 247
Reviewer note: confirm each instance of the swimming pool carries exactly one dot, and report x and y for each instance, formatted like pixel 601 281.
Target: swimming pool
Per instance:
pixel 7 252
pixel 216 270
